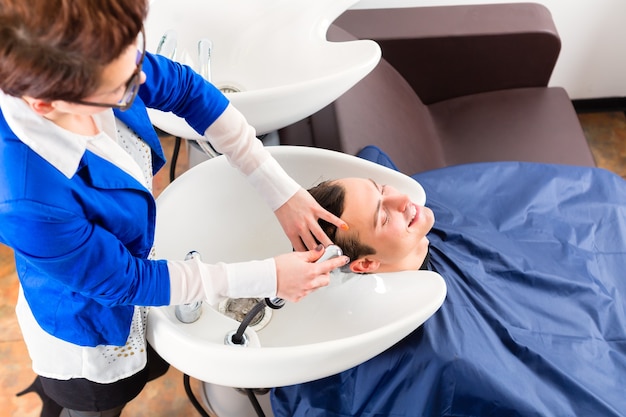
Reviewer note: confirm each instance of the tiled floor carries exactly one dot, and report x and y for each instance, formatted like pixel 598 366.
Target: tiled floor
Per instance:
pixel 606 133
pixel 166 397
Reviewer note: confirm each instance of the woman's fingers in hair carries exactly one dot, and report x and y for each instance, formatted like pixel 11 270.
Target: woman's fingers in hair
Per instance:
pixel 331 218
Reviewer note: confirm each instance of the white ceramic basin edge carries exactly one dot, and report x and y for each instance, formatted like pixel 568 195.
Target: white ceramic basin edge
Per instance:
pixel 213 210
pixel 275 52
pixel 263 367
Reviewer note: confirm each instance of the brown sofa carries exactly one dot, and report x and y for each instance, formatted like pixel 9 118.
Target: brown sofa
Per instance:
pixel 456 84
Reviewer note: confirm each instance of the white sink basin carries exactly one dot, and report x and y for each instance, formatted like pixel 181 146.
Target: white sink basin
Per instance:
pixel 274 51
pixel 331 330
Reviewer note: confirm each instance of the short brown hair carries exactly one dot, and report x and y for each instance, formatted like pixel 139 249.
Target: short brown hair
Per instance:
pixel 57 49
pixel 331 196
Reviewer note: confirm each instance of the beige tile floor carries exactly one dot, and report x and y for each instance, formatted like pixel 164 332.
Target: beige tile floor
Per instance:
pixel 606 133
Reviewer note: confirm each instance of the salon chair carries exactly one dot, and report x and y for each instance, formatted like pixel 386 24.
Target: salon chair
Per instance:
pixel 457 84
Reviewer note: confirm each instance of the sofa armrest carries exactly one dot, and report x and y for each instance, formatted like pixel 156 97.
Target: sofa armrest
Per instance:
pixel 451 51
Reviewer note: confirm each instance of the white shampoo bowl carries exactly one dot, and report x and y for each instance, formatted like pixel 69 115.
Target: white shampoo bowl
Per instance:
pixel 213 210
pixel 275 52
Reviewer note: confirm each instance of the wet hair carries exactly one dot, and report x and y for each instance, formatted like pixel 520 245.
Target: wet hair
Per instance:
pixel 331 196
pixel 57 49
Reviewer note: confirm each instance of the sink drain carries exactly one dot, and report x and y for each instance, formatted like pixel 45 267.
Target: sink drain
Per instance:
pixel 229 89
pixel 238 308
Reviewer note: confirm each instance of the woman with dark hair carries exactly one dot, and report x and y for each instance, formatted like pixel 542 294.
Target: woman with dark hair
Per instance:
pixel 77 155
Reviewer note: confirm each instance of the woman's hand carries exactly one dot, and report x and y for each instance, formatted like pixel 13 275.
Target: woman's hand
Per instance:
pixel 297 274
pixel 298 217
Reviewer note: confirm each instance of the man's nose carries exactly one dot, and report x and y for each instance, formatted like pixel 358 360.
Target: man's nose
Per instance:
pixel 399 201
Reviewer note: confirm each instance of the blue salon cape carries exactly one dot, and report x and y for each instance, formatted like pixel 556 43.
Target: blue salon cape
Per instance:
pixel 534 323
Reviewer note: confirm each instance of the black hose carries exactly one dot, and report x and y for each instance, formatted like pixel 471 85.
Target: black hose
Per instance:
pixel 194 401
pixel 237 338
pixel 177 144
pixel 255 402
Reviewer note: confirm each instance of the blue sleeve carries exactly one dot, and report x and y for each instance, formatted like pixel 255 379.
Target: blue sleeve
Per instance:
pixel 85 257
pixel 176 88
pixel 65 233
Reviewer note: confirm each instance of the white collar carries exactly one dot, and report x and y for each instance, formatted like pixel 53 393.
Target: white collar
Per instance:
pixel 61 148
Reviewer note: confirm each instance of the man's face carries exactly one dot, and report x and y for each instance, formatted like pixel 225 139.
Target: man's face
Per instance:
pixel 389 222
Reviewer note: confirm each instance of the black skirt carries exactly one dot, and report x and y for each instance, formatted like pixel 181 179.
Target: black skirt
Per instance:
pixel 83 395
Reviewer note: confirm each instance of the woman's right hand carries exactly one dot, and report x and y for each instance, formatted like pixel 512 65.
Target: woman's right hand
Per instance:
pixel 297 274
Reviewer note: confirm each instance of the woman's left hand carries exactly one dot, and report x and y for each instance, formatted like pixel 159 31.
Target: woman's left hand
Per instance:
pixel 298 217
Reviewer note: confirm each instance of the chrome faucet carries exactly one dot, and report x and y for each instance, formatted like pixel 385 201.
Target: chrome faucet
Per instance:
pixel 191 312
pixel 167 45
pixel 205 47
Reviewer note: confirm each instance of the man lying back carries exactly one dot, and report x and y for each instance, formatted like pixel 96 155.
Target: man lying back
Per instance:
pixel 387 230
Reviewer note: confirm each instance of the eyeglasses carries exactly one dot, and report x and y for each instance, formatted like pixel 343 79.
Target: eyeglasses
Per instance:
pixel 132 85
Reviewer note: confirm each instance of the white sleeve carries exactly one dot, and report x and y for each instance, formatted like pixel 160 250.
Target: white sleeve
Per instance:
pixel 232 136
pixel 194 280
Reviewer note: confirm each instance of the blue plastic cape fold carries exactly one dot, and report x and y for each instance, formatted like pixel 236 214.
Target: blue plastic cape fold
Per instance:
pixel 534 323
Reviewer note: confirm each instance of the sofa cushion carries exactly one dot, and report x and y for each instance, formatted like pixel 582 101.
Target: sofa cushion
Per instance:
pixel 535 124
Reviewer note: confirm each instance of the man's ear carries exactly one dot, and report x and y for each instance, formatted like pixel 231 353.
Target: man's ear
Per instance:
pixel 39 106
pixel 364 265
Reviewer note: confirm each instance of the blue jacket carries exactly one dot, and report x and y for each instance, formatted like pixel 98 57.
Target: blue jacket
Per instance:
pixel 81 244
